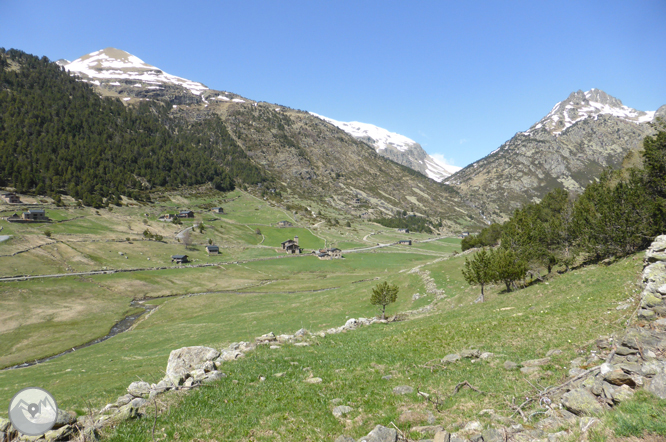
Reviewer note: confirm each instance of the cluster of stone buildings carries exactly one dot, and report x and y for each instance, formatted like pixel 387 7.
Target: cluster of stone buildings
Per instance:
pixel 10 197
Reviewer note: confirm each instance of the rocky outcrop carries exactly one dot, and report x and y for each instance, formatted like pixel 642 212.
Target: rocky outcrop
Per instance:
pixel 653 304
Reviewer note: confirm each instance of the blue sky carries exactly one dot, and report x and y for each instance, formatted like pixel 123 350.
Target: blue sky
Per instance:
pixel 460 78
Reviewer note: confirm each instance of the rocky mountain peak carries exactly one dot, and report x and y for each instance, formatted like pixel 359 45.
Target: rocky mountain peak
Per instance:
pixel 396 147
pixel 113 67
pixel 581 105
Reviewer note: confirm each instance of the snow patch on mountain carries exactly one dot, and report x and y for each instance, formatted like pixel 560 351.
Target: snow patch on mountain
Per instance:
pixel 380 138
pixel 434 167
pixel 115 64
pixel 581 105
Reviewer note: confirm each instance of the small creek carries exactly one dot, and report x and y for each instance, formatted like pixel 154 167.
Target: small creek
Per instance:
pixel 126 323
pixel 119 327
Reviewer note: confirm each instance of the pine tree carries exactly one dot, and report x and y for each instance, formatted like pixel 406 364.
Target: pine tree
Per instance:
pixel 479 271
pixel 384 294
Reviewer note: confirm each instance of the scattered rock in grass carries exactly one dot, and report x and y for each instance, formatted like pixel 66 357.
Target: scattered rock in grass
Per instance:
pixel 509 365
pixel 553 352
pixel 341 410
pixel 313 380
pixel 64 418
pixel 266 338
pixel 214 376
pixel 278 375
pixel 139 389
pixel 275 347
pixel 124 400
pixel 486 355
pixel 380 434
pixel 619 377
pixel 302 333
pixel 301 344
pixel 470 354
pixel 186 359
pixel 403 389
pixel 624 393
pixel 581 402
pixel 453 357
pixel 387 377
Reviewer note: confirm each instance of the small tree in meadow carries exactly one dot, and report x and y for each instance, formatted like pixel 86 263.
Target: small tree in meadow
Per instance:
pixel 479 270
pixel 384 294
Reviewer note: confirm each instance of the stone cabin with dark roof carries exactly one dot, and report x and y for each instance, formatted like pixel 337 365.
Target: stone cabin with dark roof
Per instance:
pixel 213 250
pixel 291 246
pixel 186 214
pixel 284 224
pixel 218 209
pixel 11 198
pixel 34 215
pixel 405 242
pixel 179 259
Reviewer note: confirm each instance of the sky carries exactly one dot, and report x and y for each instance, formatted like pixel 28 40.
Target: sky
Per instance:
pixel 460 78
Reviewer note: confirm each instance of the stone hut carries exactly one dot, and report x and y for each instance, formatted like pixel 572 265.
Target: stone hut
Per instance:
pixel 213 250
pixel 218 209
pixel 284 224
pixel 11 198
pixel 405 242
pixel 179 259
pixel 291 246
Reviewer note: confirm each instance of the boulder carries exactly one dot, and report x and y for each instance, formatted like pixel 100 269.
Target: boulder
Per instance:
pixel 351 323
pixel 493 435
pixel 646 314
pixel 619 377
pixel 581 402
pixel 624 351
pixel 622 394
pixel 657 250
pixel 124 400
pixel 453 357
pixel 341 410
pixel 64 418
pixel 380 434
pixel 403 389
pixel 186 359
pixel 657 385
pixel 470 354
pixel 139 389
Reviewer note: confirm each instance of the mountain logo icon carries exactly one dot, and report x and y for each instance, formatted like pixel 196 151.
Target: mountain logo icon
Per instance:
pixel 33 411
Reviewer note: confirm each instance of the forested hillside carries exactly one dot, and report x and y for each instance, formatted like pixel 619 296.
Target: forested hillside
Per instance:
pixel 617 215
pixel 58 136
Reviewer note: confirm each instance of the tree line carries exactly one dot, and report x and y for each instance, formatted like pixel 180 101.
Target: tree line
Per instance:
pixel 57 136
pixel 617 215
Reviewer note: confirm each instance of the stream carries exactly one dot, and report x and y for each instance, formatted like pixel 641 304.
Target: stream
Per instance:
pixel 126 323
pixel 119 327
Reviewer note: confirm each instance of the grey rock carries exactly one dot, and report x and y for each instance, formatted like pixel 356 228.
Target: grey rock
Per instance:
pixel 529 370
pixel 619 377
pixel 581 402
pixel 457 438
pixel 62 433
pixel 646 314
pixel 64 418
pixel 487 355
pixel 344 439
pixel 208 366
pixel 403 389
pixel 508 365
pixel 186 359
pixel 553 352
pixel 453 357
pixel 387 377
pixel 266 338
pixel 651 300
pixel 623 351
pixel 657 385
pixel 576 371
pixel 442 436
pixel 301 333
pixel 214 376
pixel 380 434
pixel 624 393
pixel 124 400
pixel 492 435
pixel 139 389
pixel 341 410
pixel 476 438
pixel 198 375
pixel 470 354
pixel 554 437
pixel 138 402
pixel 188 382
pixel 313 380
pixel 90 434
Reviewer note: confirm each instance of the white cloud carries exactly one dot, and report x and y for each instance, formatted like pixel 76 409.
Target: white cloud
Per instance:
pixel 464 140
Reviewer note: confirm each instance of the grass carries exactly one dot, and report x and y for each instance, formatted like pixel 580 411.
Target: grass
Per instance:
pixel 515 326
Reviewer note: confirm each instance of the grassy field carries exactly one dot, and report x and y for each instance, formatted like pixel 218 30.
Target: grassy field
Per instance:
pixel 515 326
pixel 237 300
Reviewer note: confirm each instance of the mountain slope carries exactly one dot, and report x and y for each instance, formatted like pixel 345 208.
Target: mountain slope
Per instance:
pixel 569 147
pixel 397 147
pixel 308 157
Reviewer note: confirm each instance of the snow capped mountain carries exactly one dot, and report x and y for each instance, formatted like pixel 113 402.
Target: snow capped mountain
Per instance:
pixel 109 65
pixel 396 147
pixel 581 105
